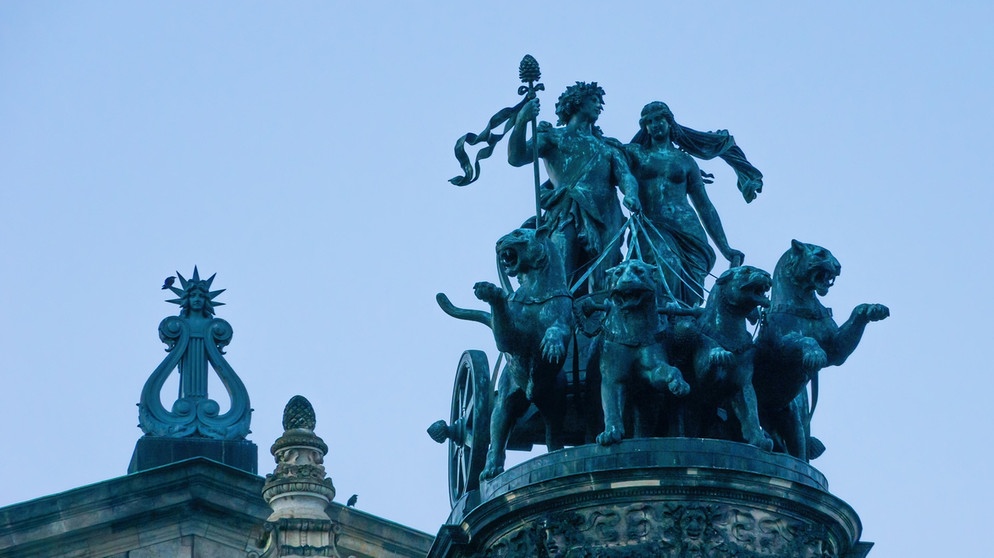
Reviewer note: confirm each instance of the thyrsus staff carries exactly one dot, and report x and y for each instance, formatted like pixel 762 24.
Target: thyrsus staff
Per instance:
pixel 529 74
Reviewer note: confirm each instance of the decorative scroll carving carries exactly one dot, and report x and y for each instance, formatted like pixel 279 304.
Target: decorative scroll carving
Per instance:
pixel 195 341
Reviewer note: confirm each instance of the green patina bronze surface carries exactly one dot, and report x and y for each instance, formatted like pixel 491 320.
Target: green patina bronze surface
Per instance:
pixel 586 170
pixel 667 177
pixel 195 340
pixel 797 338
pixel 532 326
pixel 636 375
pixel 718 349
pixel 621 343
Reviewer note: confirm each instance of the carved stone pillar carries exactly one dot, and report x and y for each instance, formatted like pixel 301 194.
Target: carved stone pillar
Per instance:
pixel 668 497
pixel 298 490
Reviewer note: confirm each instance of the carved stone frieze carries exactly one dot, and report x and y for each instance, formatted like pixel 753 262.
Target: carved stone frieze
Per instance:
pixel 658 498
pixel 686 529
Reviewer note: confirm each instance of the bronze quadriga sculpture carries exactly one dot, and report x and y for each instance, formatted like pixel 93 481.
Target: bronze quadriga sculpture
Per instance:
pixel 679 413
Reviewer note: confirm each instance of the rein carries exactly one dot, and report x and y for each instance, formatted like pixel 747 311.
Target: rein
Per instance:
pixel 805 313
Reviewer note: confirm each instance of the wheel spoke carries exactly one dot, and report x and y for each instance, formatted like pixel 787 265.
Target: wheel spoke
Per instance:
pixel 468 414
pixel 457 466
pixel 463 466
pixel 467 390
pixel 461 398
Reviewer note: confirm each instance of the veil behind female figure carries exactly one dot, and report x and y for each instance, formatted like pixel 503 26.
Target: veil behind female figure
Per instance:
pixel 671 230
pixel 707 146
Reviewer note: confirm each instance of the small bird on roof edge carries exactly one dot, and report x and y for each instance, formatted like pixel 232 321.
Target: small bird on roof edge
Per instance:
pixel 352 500
pixel 168 282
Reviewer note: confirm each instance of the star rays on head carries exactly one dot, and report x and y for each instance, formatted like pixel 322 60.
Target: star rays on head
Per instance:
pixel 195 284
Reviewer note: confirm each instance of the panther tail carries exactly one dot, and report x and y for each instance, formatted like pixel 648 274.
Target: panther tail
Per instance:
pixel 463 313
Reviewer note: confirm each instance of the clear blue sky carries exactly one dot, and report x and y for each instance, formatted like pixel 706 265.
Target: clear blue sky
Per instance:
pixel 301 152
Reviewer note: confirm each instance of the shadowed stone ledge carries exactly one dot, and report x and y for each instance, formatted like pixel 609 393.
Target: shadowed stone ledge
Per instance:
pixel 654 497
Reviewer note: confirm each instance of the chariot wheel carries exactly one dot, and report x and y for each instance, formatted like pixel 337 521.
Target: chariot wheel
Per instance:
pixel 468 429
pixel 470 418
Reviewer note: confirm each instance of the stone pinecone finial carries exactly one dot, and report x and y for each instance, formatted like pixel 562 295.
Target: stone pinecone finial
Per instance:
pixel 299 414
pixel 298 487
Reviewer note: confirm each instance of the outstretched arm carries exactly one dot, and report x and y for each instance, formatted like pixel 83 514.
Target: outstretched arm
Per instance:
pixel 626 182
pixel 709 217
pixel 519 149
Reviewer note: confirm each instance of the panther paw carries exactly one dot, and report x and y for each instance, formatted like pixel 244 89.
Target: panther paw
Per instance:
pixel 490 472
pixel 612 435
pixel 553 348
pixel 668 378
pixel 487 292
pixel 720 358
pixel 873 312
pixel 814 359
pixel 761 441
pixel 678 386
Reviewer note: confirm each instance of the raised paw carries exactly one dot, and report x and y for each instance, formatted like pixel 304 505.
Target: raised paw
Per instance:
pixel 870 312
pixel 877 312
pixel 553 347
pixel 720 358
pixel 678 386
pixel 487 292
pixel 612 435
pixel 668 378
pixel 814 359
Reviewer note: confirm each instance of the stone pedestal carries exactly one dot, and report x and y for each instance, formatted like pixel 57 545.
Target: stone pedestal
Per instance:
pixel 298 491
pixel 669 497
pixel 155 451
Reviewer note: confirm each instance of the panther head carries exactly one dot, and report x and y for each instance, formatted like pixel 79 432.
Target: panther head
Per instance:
pixel 632 283
pixel 810 267
pixel 521 251
pixel 742 289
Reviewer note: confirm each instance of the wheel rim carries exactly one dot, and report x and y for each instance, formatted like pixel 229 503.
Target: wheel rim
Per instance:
pixel 469 424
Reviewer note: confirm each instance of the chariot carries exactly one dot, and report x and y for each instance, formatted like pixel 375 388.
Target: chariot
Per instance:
pixel 475 387
pixel 468 428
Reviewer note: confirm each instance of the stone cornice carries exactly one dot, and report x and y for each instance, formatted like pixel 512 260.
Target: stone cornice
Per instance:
pixel 99 515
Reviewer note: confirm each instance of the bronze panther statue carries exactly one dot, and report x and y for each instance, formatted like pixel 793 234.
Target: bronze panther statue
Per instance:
pixel 632 355
pixel 797 338
pixel 718 352
pixel 533 327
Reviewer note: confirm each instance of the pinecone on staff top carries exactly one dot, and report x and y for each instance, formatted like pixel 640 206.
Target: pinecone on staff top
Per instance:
pixel 528 70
